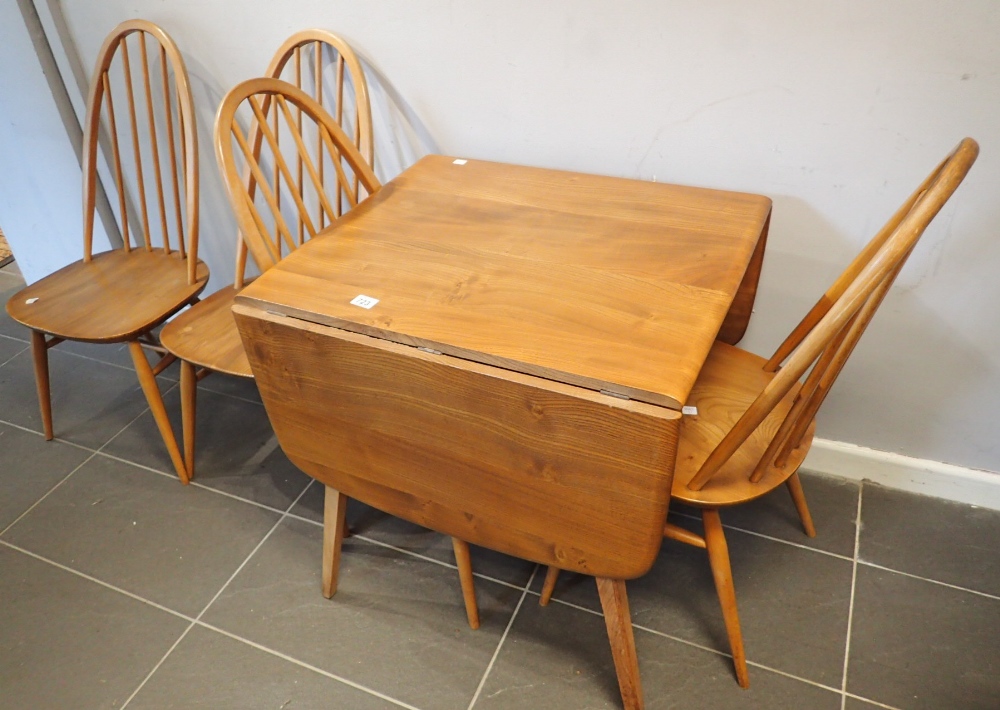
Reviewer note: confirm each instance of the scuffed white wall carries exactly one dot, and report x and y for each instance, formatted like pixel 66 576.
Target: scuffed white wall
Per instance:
pixel 835 110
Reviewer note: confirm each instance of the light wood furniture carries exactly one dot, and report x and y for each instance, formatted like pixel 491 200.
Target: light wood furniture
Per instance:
pixel 756 416
pixel 204 337
pixel 140 99
pixel 518 383
pixel 300 142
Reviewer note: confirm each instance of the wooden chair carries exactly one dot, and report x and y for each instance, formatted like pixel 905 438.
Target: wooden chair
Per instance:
pixel 287 200
pixel 204 337
pixel 756 416
pixel 139 89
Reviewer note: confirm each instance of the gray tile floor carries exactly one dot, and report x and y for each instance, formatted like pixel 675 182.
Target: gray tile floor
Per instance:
pixel 119 587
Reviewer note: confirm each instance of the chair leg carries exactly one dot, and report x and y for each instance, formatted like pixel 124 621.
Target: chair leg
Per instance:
pixel 40 355
pixel 614 601
pixel 189 408
pixel 718 558
pixel 799 498
pixel 334 512
pixel 548 586
pixel 152 391
pixel 464 562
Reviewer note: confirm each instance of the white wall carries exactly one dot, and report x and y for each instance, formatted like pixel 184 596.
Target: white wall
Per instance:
pixel 835 110
pixel 41 206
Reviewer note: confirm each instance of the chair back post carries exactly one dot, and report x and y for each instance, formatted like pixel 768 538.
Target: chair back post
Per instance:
pixel 336 146
pixel 345 60
pixel 843 321
pixel 850 273
pixel 184 208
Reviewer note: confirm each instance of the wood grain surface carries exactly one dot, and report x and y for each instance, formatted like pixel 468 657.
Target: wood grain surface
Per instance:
pixel 600 282
pixel 114 297
pixel 537 469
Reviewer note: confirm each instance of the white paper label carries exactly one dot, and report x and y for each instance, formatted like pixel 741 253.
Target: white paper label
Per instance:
pixel 364 301
pixel 691 411
pixel 460 161
pixel 31 300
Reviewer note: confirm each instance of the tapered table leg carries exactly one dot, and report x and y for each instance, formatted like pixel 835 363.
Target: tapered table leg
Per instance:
pixel 334 512
pixel 616 615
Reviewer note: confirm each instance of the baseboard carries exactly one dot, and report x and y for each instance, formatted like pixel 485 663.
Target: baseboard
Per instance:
pixel 932 478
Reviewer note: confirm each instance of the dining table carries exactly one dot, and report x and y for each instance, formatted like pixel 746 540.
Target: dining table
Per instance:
pixel 504 353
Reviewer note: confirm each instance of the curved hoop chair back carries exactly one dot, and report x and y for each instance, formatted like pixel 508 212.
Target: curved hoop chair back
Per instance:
pixel 822 342
pixel 325 67
pixel 300 162
pixel 139 108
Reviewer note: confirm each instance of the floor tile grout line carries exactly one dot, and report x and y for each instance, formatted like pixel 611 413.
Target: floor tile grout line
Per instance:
pixel 303 664
pixel 211 601
pixel 304 519
pixel 47 494
pixel 258 504
pixel 88 459
pixel 928 579
pixel 122 367
pixel 138 416
pixel 850 607
pixel 442 563
pixel 27 347
pixel 252 553
pixel 196 621
pixel 772 538
pixel 699 646
pixel 292 659
pixel 150 469
pixel 14 337
pixel 97 581
pixel 410 553
pixel 157 665
pixel 876 703
pixel 506 631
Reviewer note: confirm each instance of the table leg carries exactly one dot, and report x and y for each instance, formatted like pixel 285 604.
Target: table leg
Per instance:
pixel 616 615
pixel 334 514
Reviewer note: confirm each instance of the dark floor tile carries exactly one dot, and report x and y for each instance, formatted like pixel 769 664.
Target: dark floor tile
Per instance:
pixel 111 353
pixel 396 623
pixel 9 348
pixel 235 449
pixel 29 467
pixel 376 525
pixel 793 603
pixel 91 401
pixel 382 527
pixel 916 644
pixel 933 538
pixel 144 532
pixel 560 658
pixel 209 670
pixel 857 704
pixel 245 387
pixel 9 285
pixel 66 642
pixel 833 503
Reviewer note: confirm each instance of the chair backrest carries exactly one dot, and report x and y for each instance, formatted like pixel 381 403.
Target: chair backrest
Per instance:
pixel 324 66
pixel 828 334
pixel 300 162
pixel 140 107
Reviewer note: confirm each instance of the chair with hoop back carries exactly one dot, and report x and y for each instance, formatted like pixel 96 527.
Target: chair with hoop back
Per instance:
pixel 293 142
pixel 204 337
pixel 139 105
pixel 756 417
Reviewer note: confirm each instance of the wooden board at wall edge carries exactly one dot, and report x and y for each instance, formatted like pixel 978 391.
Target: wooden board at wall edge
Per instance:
pixel 533 468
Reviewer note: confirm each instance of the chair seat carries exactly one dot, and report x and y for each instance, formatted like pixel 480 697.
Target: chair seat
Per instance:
pixel 206 335
pixel 728 383
pixel 114 297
